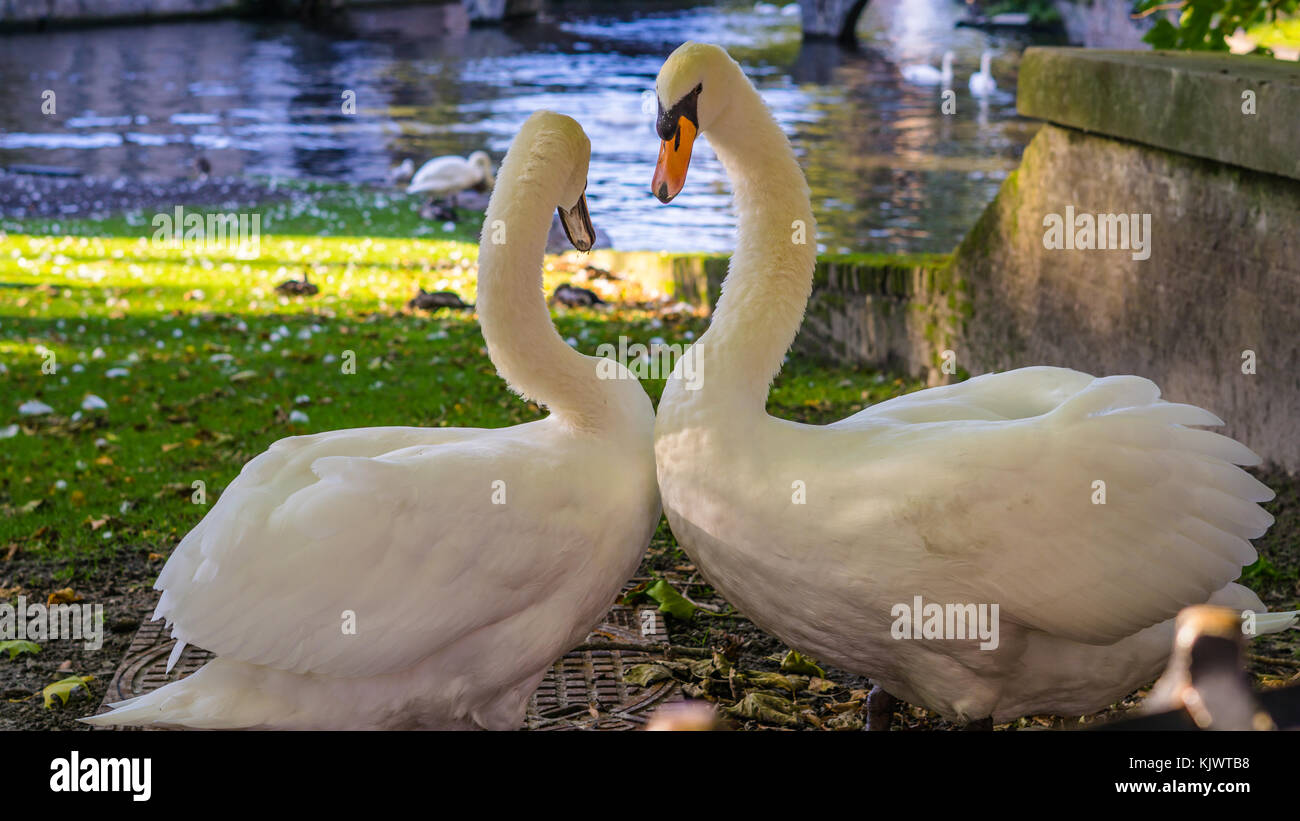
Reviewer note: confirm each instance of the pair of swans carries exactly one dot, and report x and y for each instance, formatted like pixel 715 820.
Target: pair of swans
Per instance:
pixel 981 83
pixel 977 493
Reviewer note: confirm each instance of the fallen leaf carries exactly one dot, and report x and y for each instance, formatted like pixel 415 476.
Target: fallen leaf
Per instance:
pixel 64 688
pixel 670 601
pixel 16 647
pixel 643 675
pixel 795 663
pixel 771 681
pixel 65 596
pixel 766 709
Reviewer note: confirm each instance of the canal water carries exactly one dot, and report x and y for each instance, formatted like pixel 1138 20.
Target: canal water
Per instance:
pixel 889 170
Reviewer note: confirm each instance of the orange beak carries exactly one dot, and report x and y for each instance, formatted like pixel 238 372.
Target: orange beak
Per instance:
pixel 674 159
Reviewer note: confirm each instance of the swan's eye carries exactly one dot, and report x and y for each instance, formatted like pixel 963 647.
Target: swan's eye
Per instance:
pixel 667 123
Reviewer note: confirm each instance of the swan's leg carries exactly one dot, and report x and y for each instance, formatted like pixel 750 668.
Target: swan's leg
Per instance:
pixel 982 725
pixel 880 709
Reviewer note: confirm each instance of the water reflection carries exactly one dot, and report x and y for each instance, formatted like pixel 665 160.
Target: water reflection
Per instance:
pixel 889 170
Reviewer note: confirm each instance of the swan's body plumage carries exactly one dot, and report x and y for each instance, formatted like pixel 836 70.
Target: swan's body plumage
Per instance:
pixel 923 74
pixel 468 559
pixel 976 493
pixel 449 175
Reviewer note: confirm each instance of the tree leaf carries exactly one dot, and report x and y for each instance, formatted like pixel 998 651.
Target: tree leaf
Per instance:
pixel 795 663
pixel 765 708
pixel 670 601
pixel 64 688
pixel 17 647
pixel 643 675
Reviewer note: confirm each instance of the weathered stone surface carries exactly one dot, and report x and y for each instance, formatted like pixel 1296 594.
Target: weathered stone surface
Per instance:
pixel 1223 278
pixel 1190 102
pixel 892 312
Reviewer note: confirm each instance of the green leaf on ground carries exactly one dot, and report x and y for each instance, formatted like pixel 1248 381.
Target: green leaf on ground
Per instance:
pixel 17 647
pixel 670 601
pixel 64 688
pixel 795 663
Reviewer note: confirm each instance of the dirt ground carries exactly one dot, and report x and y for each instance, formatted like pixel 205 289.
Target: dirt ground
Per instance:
pixel 747 674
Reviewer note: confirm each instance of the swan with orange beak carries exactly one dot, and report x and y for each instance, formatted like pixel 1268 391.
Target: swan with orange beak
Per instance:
pixel 678 125
pixel 976 494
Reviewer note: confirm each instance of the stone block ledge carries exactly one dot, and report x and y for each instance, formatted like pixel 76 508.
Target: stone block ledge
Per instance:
pixel 1192 103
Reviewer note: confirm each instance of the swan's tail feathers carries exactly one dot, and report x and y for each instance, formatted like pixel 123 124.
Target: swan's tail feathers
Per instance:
pixel 124 713
pixel 1275 622
pixel 221 696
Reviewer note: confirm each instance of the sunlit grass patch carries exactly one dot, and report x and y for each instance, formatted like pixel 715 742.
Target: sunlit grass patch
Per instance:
pixel 201 365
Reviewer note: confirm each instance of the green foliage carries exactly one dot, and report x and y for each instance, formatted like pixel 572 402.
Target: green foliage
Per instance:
pixel 16 647
pixel 1205 25
pixel 64 688
pixel 796 663
pixel 670 601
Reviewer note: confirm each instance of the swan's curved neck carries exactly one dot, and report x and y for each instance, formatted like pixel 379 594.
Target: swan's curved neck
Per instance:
pixel 521 339
pixel 770 276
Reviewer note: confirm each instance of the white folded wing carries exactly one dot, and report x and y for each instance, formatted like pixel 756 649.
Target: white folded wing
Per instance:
pixel 995 486
pixel 386 524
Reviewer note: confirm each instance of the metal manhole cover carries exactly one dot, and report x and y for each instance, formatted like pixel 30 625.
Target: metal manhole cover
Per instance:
pixel 583 690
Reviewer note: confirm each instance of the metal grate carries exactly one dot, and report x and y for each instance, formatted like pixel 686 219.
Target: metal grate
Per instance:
pixel 583 690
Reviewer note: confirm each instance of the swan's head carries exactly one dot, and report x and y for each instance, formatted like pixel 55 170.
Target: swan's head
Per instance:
pixel 481 161
pixel 693 88
pixel 553 150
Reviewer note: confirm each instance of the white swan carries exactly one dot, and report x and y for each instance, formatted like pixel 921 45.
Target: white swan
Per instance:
pixel 470 558
pixel 982 83
pixel 976 493
pixel 443 177
pixel 401 172
pixel 926 75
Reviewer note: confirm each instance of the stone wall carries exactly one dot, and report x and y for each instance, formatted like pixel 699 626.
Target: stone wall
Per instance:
pixel 1222 279
pixel 1164 137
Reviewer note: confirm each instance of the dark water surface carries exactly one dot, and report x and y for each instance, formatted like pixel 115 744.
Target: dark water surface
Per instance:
pixel 889 171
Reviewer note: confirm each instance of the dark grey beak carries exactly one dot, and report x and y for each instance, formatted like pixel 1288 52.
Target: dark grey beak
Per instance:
pixel 577 224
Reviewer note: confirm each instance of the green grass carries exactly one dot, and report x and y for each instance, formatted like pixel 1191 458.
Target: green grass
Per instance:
pixel 216 361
